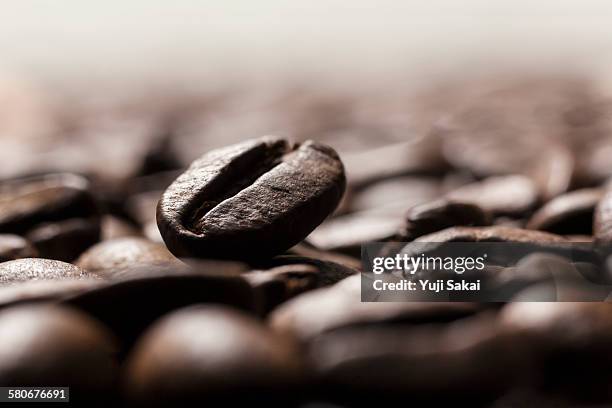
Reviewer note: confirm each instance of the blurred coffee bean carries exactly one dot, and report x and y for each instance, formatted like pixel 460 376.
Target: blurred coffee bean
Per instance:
pixel 395 196
pixel 570 213
pixel 602 220
pixel 288 276
pixel 139 295
pixel 307 250
pixel 212 355
pixel 346 233
pixel 250 201
pixel 337 307
pixel 57 346
pixel 57 213
pixel 570 342
pixel 469 361
pixel 111 258
pixel 504 195
pixel 15 247
pixel 27 269
pixel 418 156
pixel 491 234
pixel 65 240
pixel 440 214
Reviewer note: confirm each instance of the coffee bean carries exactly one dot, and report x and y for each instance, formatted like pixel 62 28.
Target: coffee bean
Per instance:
pixel 57 213
pixel 418 156
pixel 441 214
pixel 233 360
pixel 65 240
pixel 57 347
pixel 306 250
pixel 469 361
pixel 602 223
pixel 276 285
pixel 15 247
pixel 491 234
pixel 26 269
pixel 250 201
pixel 504 195
pixel 346 233
pixel 571 213
pixel 569 342
pixel 292 275
pixel 338 307
pixel 111 258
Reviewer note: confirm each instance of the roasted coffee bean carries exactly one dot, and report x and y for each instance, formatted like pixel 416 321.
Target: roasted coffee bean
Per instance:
pixel 292 275
pixel 57 213
pixel 250 201
pixel 276 285
pixel 15 247
pixel 140 295
pixel 469 361
pixel 503 195
pixel 571 213
pixel 212 356
pixel 346 233
pixel 65 240
pixel 568 341
pixel 338 307
pixel 111 258
pixel 602 223
pixel 26 269
pixel 57 346
pixel 310 251
pixel 441 214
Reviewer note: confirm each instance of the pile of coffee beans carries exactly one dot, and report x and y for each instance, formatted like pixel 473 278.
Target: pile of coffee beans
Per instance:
pixel 160 250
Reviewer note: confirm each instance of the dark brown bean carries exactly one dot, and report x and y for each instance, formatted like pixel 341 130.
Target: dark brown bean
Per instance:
pixel 337 307
pixel 250 201
pixel 570 213
pixel 57 213
pixel 441 214
pixel 212 355
pixel 57 347
pixel 110 258
pixel 468 361
pixel 568 341
pixel 503 195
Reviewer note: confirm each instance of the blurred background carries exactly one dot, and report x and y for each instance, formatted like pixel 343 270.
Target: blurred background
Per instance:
pixel 123 90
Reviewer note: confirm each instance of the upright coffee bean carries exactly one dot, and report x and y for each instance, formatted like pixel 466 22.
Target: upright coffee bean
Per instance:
pixel 250 201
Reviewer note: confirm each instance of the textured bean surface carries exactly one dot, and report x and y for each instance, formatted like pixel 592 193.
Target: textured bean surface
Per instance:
pixel 251 200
